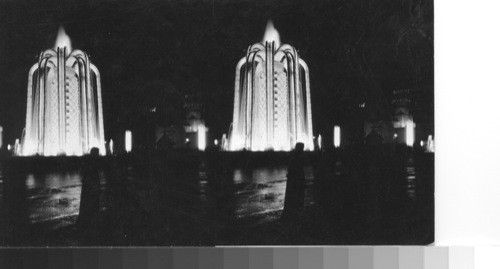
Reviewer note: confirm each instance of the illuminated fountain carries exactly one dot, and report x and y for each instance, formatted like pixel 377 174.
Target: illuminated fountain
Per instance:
pixel 272 100
pixel 64 108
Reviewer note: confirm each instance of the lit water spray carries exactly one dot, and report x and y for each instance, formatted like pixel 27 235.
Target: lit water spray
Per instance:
pixel 271 35
pixel 64 107
pixel 272 99
pixel 63 41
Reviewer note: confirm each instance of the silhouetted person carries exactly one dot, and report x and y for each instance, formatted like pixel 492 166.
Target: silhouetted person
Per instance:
pixel 14 214
pixel 90 195
pixel 295 184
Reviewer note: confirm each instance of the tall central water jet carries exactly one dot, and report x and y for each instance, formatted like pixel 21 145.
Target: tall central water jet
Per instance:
pixel 64 107
pixel 272 99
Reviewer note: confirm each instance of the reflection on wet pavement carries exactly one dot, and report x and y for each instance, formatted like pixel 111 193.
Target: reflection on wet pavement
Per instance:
pixel 258 191
pixel 262 190
pixel 53 196
pixel 137 200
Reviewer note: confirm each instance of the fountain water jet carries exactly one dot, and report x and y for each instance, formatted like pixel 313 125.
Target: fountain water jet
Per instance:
pixel 64 106
pixel 63 41
pixel 272 100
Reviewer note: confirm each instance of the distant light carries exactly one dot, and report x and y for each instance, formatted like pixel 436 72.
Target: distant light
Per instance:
pixel 224 144
pixel 410 133
pixel 128 141
pixel 421 143
pixel 430 144
pixel 9 147
pixel 216 142
pixel 336 136
pixel 111 146
pixel 187 140
pixel 17 147
pixel 395 135
pixel 202 137
pixel 320 141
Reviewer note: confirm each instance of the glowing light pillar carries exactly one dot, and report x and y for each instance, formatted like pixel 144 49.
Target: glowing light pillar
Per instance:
pixel 1 136
pixel 111 146
pixel 336 136
pixel 430 144
pixel 202 137
pixel 128 141
pixel 320 141
pixel 17 148
pixel 410 133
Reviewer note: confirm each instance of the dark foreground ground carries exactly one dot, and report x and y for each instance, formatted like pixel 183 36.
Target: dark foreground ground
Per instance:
pixel 377 195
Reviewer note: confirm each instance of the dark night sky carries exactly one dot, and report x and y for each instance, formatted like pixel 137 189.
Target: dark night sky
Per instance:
pixel 357 50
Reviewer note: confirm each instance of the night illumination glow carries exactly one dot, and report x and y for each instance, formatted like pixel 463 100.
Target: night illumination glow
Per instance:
pixel 336 136
pixel 128 141
pixel 64 104
pixel 224 144
pixel 1 136
pixel 410 133
pixel 17 147
pixel 111 146
pixel 216 142
pixel 430 144
pixel 320 142
pixel 272 99
pixel 202 137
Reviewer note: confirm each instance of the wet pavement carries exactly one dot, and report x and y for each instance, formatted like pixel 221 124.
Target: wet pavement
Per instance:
pixel 182 205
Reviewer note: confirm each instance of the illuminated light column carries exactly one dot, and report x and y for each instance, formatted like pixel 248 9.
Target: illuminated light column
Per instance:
pixel 430 144
pixel 17 148
pixel 64 104
pixel 1 136
pixel 410 133
pixel 224 144
pixel 202 137
pixel 128 141
pixel 336 136
pixel 272 100
pixel 111 146
pixel 320 141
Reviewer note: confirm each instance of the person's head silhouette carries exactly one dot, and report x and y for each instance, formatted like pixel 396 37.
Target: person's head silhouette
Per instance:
pixel 299 147
pixel 94 152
